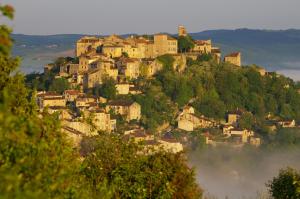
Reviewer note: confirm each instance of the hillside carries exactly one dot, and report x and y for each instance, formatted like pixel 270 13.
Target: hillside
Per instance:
pixel 276 50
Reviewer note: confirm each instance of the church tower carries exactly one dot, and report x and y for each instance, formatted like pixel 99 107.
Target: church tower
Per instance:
pixel 182 31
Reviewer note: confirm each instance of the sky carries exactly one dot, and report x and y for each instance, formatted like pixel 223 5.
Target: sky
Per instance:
pixel 45 17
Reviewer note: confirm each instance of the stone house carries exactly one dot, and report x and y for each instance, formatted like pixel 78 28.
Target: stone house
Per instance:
pixel 234 58
pixel 233 117
pixel 113 51
pixel 50 99
pixel 165 44
pixel 72 95
pixel 216 53
pixel 86 43
pixel 131 110
pixel 100 119
pixel 130 67
pixel 123 88
pixel 170 145
pixel 188 121
pixel 202 46
pixel 243 133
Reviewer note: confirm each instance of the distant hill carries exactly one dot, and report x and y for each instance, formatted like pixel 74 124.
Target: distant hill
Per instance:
pixel 273 49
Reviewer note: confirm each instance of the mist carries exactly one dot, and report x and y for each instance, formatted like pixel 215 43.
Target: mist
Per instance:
pixel 240 173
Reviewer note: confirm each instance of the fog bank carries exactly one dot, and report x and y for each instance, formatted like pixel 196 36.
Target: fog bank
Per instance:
pixel 239 173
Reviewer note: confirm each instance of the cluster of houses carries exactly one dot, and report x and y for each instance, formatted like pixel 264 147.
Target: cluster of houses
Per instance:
pixel 189 121
pixel 123 60
pixel 81 116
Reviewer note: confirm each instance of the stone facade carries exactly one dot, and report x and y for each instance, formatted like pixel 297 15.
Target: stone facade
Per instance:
pixel 234 58
pixel 131 110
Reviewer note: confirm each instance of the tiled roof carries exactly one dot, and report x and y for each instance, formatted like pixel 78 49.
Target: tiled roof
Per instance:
pixel 235 54
pixel 120 103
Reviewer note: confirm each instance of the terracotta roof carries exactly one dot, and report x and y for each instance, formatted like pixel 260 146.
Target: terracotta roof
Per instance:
pixel 72 92
pixel 216 50
pixel 201 42
pixel 54 98
pixel 235 54
pixel 120 103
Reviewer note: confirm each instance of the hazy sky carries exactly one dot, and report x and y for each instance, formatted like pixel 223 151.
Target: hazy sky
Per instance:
pixel 150 16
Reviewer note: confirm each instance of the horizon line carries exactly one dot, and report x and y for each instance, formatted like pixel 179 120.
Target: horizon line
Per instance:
pixel 223 29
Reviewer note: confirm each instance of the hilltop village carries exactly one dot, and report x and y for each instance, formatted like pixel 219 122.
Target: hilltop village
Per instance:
pixel 122 62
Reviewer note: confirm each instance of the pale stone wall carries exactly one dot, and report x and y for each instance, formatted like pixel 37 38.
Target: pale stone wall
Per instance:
pixel 203 46
pixel 185 125
pixel 164 44
pixel 134 112
pixel 84 44
pixel 234 58
pixel 122 89
pixel 52 102
pixel 182 31
pixel 112 51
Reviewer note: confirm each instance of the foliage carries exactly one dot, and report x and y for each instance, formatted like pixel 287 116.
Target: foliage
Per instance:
pixel 218 88
pixel 107 89
pixel 205 57
pixel 59 85
pixel 35 159
pixel 285 185
pixel 167 61
pixel 157 108
pixel 246 121
pixel 185 43
pixel 285 138
pixel 117 164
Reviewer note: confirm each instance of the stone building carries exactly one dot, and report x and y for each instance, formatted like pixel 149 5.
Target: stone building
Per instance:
pixel 202 46
pixel 165 44
pixel 50 99
pixel 129 67
pixel 216 53
pixel 72 95
pixel 182 31
pixel 131 110
pixel 234 58
pixel 188 121
pixel 100 119
pixel 85 44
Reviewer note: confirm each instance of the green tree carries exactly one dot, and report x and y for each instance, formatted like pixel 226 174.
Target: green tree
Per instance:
pixel 286 185
pixel 35 159
pixel 246 121
pixel 167 61
pixel 129 175
pixel 205 57
pixel 185 43
pixel 59 85
pixel 108 89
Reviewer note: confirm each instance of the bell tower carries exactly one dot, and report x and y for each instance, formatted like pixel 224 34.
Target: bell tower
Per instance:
pixel 182 31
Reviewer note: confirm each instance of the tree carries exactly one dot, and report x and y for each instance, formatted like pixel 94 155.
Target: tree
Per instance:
pixel 185 43
pixel 205 57
pixel 132 175
pixel 286 185
pixel 167 61
pixel 59 85
pixel 35 159
pixel 246 121
pixel 108 89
